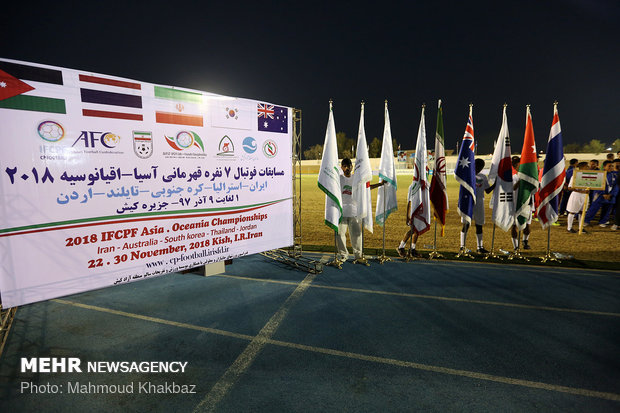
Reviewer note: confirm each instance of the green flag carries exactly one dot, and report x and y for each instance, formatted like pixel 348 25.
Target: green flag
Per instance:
pixel 528 175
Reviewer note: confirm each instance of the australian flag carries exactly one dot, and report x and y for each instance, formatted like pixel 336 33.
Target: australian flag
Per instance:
pixel 465 173
pixel 554 175
pixel 272 118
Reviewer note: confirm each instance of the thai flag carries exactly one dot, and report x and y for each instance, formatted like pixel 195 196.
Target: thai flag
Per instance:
pixel 465 172
pixel 554 175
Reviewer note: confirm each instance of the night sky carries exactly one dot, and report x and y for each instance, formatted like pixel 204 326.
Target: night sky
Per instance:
pixel 414 52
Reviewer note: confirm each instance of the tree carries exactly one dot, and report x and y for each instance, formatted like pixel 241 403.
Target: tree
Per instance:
pixel 616 145
pixel 374 149
pixel 345 145
pixel 594 146
pixel 313 152
pixel 572 148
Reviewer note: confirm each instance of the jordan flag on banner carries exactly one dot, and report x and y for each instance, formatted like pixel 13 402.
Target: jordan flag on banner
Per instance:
pixel 500 173
pixel 554 174
pixel 362 176
pixel 329 176
pixel 528 175
pixel 438 191
pixel 32 88
pixel 418 192
pixel 465 172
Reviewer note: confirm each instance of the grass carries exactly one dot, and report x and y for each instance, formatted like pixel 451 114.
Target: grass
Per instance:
pixel 597 249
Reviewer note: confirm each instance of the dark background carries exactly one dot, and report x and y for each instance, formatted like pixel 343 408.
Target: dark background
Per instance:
pixel 302 54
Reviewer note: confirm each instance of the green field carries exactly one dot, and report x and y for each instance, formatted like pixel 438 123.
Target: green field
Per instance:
pixel 601 244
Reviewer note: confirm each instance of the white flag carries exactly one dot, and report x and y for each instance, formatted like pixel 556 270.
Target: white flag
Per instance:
pixel 502 200
pixel 419 191
pixel 386 197
pixel 329 176
pixel 361 177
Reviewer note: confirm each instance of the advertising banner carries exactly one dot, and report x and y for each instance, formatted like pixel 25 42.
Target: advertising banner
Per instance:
pixel 105 180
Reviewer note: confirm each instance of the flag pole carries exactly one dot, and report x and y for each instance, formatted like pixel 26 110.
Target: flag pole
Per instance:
pixel 383 258
pixel 336 262
pixel 492 253
pixel 517 252
pixel 362 259
pixel 548 256
pixel 434 253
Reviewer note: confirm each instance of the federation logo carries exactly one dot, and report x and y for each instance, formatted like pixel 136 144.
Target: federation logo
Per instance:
pixel 185 140
pixel 51 131
pixel 226 147
pixel 143 144
pixel 270 149
pixel 249 145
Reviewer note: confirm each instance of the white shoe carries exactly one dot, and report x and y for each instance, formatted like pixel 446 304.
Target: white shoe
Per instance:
pixel 614 227
pixel 602 225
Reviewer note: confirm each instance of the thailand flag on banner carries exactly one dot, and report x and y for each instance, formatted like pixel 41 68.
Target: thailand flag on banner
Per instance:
pixel 465 172
pixel 272 118
pixel 554 174
pixel 104 97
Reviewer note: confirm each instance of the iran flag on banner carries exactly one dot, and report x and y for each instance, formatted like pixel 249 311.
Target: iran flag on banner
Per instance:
pixel 386 197
pixel 329 175
pixel 438 190
pixel 418 192
pixel 178 107
pixel 362 176
pixel 502 202
pixel 554 174
pixel 528 174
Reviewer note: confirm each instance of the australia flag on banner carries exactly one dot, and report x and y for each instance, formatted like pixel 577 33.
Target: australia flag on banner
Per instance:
pixel 272 118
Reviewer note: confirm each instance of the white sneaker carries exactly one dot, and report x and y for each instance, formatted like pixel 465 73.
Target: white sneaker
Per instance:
pixel 614 227
pixel 602 225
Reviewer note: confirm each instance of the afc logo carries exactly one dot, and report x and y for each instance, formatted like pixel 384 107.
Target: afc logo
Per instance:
pixel 89 139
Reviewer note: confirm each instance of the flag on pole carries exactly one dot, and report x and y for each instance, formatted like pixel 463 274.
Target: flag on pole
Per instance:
pixel 438 190
pixel 418 193
pixel 554 174
pixel 502 201
pixel 528 174
pixel 329 176
pixel 465 172
pixel 386 197
pixel 362 176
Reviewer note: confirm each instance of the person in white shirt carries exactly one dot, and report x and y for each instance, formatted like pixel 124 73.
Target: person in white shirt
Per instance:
pixel 350 220
pixel 576 200
pixel 482 186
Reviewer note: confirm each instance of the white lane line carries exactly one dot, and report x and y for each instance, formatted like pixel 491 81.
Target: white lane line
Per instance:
pixel 452 372
pixel 356 356
pixel 434 297
pixel 247 357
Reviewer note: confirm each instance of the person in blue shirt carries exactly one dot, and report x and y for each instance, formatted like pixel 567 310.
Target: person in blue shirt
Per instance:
pixel 604 200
